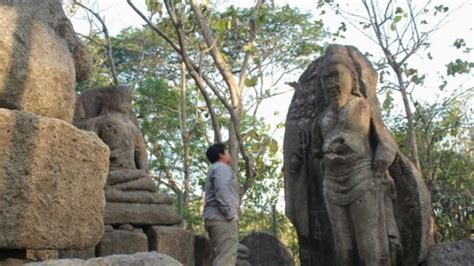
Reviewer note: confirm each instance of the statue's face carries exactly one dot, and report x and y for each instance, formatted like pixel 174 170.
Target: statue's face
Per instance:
pixel 120 104
pixel 124 107
pixel 336 81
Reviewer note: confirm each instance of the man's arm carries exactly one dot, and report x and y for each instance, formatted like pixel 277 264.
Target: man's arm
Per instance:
pixel 226 192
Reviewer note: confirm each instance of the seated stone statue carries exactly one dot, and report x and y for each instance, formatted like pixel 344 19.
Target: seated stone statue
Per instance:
pixel 128 179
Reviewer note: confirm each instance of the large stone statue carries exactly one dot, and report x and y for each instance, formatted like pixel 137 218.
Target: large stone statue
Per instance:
pixel 42 58
pixel 108 113
pixel 52 174
pixel 360 173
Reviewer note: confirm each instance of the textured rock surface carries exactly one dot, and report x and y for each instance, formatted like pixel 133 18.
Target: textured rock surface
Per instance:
pixel 122 242
pixel 42 254
pixel 13 262
pixel 138 259
pixel 266 249
pixel 52 177
pixel 173 241
pixel 457 253
pixel 77 254
pixel 140 214
pixel 40 56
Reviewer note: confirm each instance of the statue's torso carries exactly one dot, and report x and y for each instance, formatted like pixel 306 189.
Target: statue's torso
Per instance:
pixel 347 153
pixel 119 134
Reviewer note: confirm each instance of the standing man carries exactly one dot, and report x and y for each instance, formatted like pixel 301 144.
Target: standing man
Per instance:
pixel 221 210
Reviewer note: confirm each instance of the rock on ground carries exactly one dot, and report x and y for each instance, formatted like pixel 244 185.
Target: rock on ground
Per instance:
pixel 137 259
pixel 457 253
pixel 265 249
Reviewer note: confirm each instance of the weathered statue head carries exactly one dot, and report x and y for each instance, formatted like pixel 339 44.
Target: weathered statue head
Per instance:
pixel 351 61
pixel 117 100
pixel 339 80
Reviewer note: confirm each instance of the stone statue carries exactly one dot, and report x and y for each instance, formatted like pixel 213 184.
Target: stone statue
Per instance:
pixel 52 174
pixel 359 169
pixel 42 58
pixel 136 215
pixel 356 151
pixel 128 179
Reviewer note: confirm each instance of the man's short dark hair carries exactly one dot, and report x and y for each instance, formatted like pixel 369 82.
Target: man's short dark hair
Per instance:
pixel 214 150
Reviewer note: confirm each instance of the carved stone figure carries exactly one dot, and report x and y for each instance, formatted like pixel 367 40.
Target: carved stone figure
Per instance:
pixel 130 192
pixel 52 174
pixel 42 57
pixel 359 170
pixel 128 179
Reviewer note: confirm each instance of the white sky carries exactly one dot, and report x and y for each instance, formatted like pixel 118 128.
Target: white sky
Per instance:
pixel 118 15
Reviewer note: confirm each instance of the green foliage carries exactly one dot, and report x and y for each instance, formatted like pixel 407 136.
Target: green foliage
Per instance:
pixel 277 29
pixel 446 161
pixel 459 66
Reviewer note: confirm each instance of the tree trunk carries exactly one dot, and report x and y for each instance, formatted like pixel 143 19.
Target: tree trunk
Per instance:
pixel 184 135
pixel 411 127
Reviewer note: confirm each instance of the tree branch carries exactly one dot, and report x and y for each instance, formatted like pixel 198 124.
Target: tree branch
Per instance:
pixel 108 40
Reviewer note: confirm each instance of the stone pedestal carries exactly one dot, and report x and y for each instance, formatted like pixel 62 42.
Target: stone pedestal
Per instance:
pixel 140 214
pixel 52 177
pixel 173 241
pixel 122 242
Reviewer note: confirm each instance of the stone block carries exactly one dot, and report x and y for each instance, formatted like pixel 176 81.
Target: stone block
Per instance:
pixel 140 214
pixel 37 73
pixel 173 241
pixel 122 242
pixel 42 254
pixel 52 177
pixel 77 254
pixel 41 58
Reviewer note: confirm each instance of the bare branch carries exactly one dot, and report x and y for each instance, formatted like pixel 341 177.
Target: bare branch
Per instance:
pixel 108 40
pixel 253 28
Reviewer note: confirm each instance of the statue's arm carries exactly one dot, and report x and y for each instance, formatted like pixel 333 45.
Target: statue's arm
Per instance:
pixel 91 124
pixel 141 157
pixel 386 148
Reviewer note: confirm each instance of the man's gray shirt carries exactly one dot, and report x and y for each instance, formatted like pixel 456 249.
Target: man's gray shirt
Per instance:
pixel 221 193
